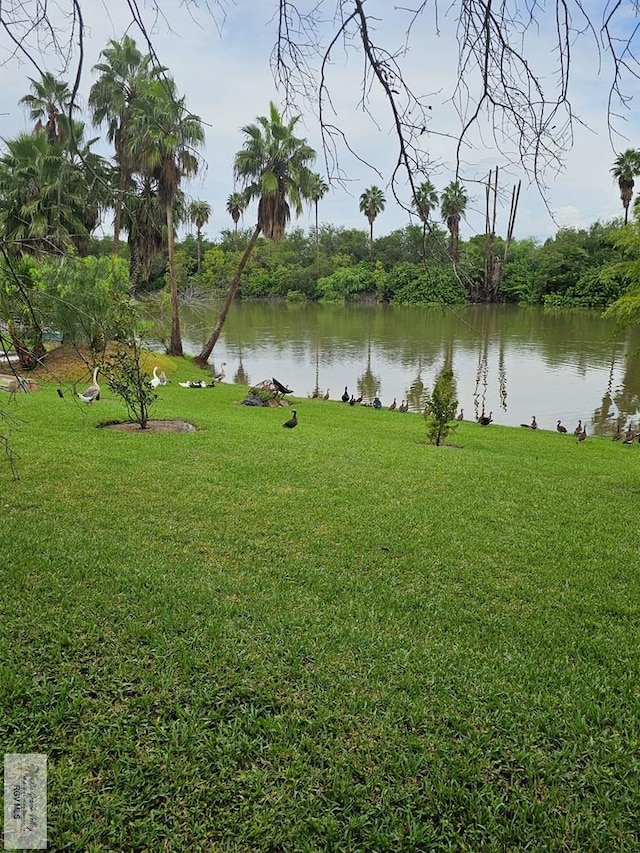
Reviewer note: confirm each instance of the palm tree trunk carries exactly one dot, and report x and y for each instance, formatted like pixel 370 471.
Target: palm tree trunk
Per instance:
pixel 199 248
pixel 453 224
pixel 175 345
pixel 317 245
pixel 371 240
pixel 117 218
pixel 203 356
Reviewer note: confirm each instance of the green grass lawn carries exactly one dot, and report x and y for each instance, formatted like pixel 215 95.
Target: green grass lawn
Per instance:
pixel 329 638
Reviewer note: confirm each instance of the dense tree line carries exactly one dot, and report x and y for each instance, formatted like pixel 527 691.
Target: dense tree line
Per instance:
pixel 577 267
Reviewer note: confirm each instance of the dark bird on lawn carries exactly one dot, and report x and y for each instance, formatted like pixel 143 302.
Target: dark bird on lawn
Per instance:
pixel 617 435
pixel 532 425
pixel 345 396
pixel 352 401
pixel 583 434
pixel 292 422
pixel 283 389
pixel 393 405
pixel 483 420
pixel 578 429
pixel 377 403
pixel 629 435
pixel 93 391
pixel 359 399
pixel 460 415
pixel 403 407
pixel 326 396
pixel 219 377
pixel 560 428
pixel 316 394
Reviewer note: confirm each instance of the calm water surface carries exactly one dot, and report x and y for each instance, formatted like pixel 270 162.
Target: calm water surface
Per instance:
pixel 516 362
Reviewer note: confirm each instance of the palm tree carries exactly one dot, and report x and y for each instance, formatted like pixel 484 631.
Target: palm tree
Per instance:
pixel 625 168
pixel 425 200
pixel 453 203
pixel 146 226
pixel 48 201
pixel 112 99
pixel 236 205
pixel 319 188
pixel 164 136
pixel 199 213
pixel 50 100
pixel 274 166
pixel 372 203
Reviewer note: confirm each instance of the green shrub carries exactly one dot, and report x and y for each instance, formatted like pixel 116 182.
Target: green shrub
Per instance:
pixel 440 408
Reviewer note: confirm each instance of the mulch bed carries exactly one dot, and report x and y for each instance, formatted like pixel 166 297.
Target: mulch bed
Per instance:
pixel 152 426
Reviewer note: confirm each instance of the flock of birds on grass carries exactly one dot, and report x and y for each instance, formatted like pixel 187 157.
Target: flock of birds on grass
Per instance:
pixel 580 432
pixel 359 401
pixel 92 393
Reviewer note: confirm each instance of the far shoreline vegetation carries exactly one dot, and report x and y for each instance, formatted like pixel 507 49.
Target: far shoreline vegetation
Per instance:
pixel 581 268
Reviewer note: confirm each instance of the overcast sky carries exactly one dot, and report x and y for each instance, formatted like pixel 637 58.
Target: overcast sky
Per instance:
pixel 221 63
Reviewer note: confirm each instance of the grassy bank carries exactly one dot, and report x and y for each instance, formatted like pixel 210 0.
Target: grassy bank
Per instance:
pixel 328 638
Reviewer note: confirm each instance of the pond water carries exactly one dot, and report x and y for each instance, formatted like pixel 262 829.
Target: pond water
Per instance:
pixel 516 362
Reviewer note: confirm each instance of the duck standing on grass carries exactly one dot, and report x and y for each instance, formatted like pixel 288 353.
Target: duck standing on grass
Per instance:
pixel 578 429
pixel 345 396
pixel 292 422
pixel 483 420
pixel 561 428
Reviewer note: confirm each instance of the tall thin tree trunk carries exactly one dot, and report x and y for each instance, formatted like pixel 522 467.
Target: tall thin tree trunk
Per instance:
pixel 371 239
pixel 199 249
pixel 203 356
pixel 424 245
pixel 317 244
pixel 117 218
pixel 175 345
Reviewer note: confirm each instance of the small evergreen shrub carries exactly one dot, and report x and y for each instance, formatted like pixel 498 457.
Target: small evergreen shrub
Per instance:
pixel 440 408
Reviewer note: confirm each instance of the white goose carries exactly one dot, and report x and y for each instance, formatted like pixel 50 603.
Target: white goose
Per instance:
pixel 93 391
pixel 156 379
